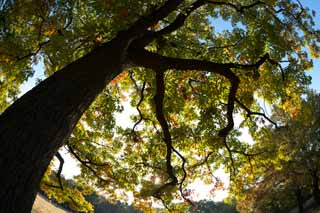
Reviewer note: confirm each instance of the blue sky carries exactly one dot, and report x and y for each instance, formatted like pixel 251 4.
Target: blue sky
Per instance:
pixel 315 73
pixel 221 25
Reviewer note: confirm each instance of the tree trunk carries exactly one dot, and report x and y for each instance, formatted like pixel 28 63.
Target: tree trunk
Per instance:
pixel 299 197
pixel 315 186
pixel 36 125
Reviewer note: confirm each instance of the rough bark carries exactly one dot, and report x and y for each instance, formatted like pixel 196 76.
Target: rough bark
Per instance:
pixel 299 197
pixel 315 187
pixel 36 125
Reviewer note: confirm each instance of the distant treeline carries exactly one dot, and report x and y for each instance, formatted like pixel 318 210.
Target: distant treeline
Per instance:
pixel 101 204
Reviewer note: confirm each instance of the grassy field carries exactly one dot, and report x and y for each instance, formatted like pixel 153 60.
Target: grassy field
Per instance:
pixel 41 205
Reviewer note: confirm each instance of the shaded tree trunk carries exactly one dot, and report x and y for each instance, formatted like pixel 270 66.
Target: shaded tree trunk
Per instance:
pixel 36 125
pixel 299 197
pixel 315 187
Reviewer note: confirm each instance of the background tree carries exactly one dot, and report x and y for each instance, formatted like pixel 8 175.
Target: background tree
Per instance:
pixel 286 174
pixel 185 79
pixel 205 206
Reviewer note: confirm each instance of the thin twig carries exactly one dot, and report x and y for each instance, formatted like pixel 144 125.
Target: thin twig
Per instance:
pixel 85 163
pixel 184 161
pixel 249 113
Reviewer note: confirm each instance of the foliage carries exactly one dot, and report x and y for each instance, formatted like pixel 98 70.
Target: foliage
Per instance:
pixel 69 193
pixel 288 167
pixel 79 199
pixel 182 128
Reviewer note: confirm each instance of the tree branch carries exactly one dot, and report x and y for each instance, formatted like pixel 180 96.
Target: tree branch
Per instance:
pixel 40 46
pixel 61 160
pixel 139 28
pixel 247 154
pixel 85 163
pixel 232 168
pixel 139 103
pixel 155 61
pixel 180 19
pixel 138 107
pixel 249 113
pixel 240 8
pixel 184 161
pixel 205 160
pixel 230 107
pixel 158 100
pixel 176 24
pixel 148 165
pixel 226 46
pixel 274 62
pixel 147 59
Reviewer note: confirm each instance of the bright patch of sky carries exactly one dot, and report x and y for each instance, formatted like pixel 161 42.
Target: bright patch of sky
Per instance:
pixel 202 191
pixel 220 25
pixel 37 77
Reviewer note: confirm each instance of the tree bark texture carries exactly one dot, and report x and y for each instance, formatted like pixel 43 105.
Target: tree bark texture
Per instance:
pixel 299 198
pixel 315 186
pixel 36 125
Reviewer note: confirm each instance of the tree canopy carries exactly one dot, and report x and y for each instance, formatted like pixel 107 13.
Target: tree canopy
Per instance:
pixel 286 172
pixel 185 78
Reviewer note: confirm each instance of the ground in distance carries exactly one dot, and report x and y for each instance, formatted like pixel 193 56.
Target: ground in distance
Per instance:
pixel 41 205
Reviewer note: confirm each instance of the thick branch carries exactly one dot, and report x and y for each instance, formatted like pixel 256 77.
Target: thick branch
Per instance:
pixel 230 107
pixel 143 23
pixel 176 24
pixel 158 99
pixel 180 19
pixel 144 58
pixel 138 28
pixel 155 61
